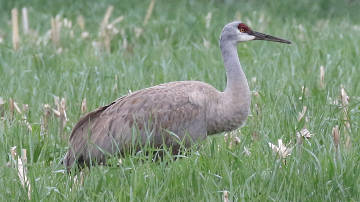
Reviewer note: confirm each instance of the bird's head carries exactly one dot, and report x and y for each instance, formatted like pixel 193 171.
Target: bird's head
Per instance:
pixel 239 32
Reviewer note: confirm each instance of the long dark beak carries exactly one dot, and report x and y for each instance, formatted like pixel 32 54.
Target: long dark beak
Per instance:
pixel 261 36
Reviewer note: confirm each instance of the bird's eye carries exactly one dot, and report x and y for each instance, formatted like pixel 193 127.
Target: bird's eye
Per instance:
pixel 242 30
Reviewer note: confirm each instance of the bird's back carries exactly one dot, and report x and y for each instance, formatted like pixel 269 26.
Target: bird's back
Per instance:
pixel 161 114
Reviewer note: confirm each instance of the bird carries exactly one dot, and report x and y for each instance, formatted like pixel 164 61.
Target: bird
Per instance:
pixel 169 114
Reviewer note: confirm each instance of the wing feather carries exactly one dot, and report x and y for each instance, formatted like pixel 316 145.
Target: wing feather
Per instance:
pixel 156 110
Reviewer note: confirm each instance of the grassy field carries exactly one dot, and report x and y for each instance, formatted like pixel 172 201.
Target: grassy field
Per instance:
pixel 177 45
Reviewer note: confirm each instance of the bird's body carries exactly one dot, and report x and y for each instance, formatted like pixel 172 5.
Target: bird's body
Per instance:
pixel 165 114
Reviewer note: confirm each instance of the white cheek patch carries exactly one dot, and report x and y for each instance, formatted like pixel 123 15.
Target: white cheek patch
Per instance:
pixel 246 37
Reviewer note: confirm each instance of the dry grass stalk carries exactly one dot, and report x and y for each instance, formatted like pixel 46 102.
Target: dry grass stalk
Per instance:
pixel 13 153
pixel 16 107
pixel 25 20
pixel 63 116
pixel 138 31
pixel 117 20
pixel 344 98
pixel 81 22
pixel 11 107
pixel 206 43
pixel 60 112
pixel 15 29
pixel 115 87
pixel 25 108
pixel 2 36
pixel 345 104
pixel 304 92
pixel 348 141
pixel 108 30
pixel 302 113
pixel 2 103
pixel 247 151
pixel 125 42
pixel 299 139
pixel 105 20
pixel 280 149
pixel 26 123
pixel 208 20
pixel 305 133
pixel 22 172
pixel 85 35
pixel 149 12
pixel 23 115
pixel 83 106
pixel 231 139
pixel 225 196
pixel 55 30
pixel 322 77
pixel 76 180
pixel 253 79
pixel 336 137
pixel 257 110
pixel 44 120
pixel 119 163
pixel 56 112
pixel 67 23
pixel 107 43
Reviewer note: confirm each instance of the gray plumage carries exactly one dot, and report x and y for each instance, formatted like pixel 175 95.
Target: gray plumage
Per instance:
pixel 169 112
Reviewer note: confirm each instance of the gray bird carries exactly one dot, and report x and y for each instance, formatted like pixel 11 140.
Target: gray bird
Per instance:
pixel 186 111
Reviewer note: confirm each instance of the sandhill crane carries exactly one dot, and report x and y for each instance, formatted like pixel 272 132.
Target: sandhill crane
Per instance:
pixel 166 113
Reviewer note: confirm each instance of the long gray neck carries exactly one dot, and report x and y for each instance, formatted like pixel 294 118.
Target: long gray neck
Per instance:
pixel 237 84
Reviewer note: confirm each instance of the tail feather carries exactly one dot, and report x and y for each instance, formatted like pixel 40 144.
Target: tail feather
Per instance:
pixel 78 138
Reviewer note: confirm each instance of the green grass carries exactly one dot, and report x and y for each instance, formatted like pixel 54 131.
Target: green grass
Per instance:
pixel 170 49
